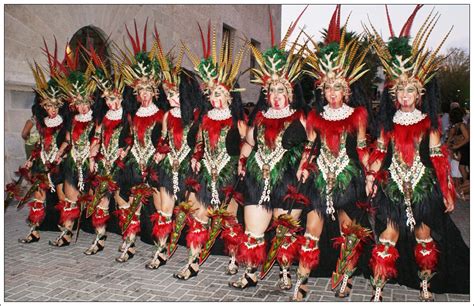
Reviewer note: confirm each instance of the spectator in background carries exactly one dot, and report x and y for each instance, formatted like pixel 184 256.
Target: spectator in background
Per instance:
pixel 30 134
pixel 445 108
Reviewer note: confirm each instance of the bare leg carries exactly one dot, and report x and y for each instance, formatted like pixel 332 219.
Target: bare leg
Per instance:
pixel 35 216
pixel 99 221
pixel 69 212
pixel 426 256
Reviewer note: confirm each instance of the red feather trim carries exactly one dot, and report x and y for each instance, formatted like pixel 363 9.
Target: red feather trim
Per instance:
pixel 392 34
pixel 133 228
pixel 331 130
pixel 99 218
pixel 288 251
pixel 66 213
pixel 272 34
pixel 37 212
pixel 383 264
pixel 309 258
pixel 334 31
pixel 109 127
pixel 361 152
pixel 78 128
pixel 273 127
pixel 193 184
pixel 405 32
pixel 48 134
pixel 232 236
pixel 214 127
pixel 197 234
pixel 367 207
pixel 162 226
pixel 376 155
pixel 252 256
pixel 162 146
pixel 175 126
pixel 292 193
pixel 426 257
pixel 442 166
pixel 141 124
pixel 406 137
pixel 231 193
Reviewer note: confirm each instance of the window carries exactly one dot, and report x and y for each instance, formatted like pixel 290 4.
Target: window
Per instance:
pixel 227 31
pixel 253 62
pixel 87 36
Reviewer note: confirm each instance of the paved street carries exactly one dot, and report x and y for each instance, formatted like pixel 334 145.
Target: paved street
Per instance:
pixel 40 272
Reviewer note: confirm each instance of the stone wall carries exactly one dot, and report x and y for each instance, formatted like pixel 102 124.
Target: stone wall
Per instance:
pixel 25 25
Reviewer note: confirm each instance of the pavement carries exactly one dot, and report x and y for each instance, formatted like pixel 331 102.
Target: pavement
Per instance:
pixel 43 273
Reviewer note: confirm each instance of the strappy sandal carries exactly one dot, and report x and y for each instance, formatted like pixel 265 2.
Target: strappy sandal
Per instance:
pixel 284 283
pixel 157 261
pixel 377 296
pixel 187 272
pixel 29 239
pixel 62 241
pixel 232 268
pixel 425 294
pixel 127 254
pixel 96 245
pixel 346 283
pixel 245 281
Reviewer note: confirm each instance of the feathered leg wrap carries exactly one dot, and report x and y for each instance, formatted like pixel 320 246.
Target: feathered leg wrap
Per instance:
pixel 37 212
pixel 100 217
pixel 198 233
pixel 383 265
pixel 252 251
pixel 68 211
pixel 426 257
pixel 162 225
pixel 232 236
pixel 309 251
pixel 288 251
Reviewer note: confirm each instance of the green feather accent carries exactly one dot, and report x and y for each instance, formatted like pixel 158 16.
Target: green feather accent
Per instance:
pixel 421 190
pixel 275 59
pixel 207 70
pixel 399 46
pixel 327 49
pixel 342 180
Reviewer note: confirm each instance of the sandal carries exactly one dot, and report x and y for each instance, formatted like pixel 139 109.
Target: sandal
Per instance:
pixel 284 283
pixel 425 294
pixel 122 246
pixel 96 245
pixel 232 268
pixel 343 292
pixel 188 271
pixel 245 281
pixel 127 254
pixel 301 290
pixel 159 259
pixel 377 296
pixel 29 239
pixel 64 238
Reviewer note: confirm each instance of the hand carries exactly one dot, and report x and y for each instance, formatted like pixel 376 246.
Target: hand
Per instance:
pixel 302 175
pixel 28 164
pixel 195 165
pixel 241 170
pixel 158 157
pixel 242 128
pixel 94 150
pixel 122 153
pixel 449 204
pixel 58 158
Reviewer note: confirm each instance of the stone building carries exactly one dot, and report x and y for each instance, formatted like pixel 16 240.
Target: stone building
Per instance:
pixel 25 25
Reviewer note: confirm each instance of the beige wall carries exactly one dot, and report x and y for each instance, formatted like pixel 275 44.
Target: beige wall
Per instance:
pixel 25 25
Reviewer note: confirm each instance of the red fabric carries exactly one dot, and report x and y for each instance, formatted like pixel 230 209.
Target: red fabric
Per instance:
pixel 214 127
pixel 162 146
pixel 406 137
pixel 141 124
pixel 65 214
pixel 78 128
pixel 48 134
pixel 429 261
pixel 288 251
pixel 197 234
pixel 384 266
pixel 442 167
pixel 253 256
pixel 133 228
pixel 376 155
pixel 99 219
pixel 331 130
pixel 162 226
pixel 273 127
pixel 108 128
pixel 37 216
pixel 293 194
pixel 309 259
pixel 175 125
pixel 361 152
pixel 232 236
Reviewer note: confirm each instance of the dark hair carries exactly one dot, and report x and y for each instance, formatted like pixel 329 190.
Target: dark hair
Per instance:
pixel 40 113
pixel 236 107
pixel 455 115
pixel 189 95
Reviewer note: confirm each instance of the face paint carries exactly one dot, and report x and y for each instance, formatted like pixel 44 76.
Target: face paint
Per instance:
pixel 278 96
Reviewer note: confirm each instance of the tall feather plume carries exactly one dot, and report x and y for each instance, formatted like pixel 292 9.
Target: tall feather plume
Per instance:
pixel 144 35
pixel 135 44
pixel 161 55
pixel 291 29
pixel 343 34
pixel 405 32
pixel 203 42
pixel 333 31
pixel 208 39
pixel 272 34
pixel 419 35
pixel 214 47
pixel 392 34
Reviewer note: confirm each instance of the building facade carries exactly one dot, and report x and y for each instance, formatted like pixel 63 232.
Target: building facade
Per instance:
pixel 26 25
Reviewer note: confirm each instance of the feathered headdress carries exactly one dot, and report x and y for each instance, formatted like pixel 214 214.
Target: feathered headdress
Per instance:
pixel 336 58
pixel 141 68
pixel 77 86
pixel 276 64
pixel 49 91
pixel 170 68
pixel 404 63
pixel 111 84
pixel 216 71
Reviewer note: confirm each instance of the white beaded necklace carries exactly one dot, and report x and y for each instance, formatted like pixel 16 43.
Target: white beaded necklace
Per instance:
pixel 148 111
pixel 53 122
pixel 84 117
pixel 273 113
pixel 335 114
pixel 408 118
pixel 176 112
pixel 114 114
pixel 219 114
